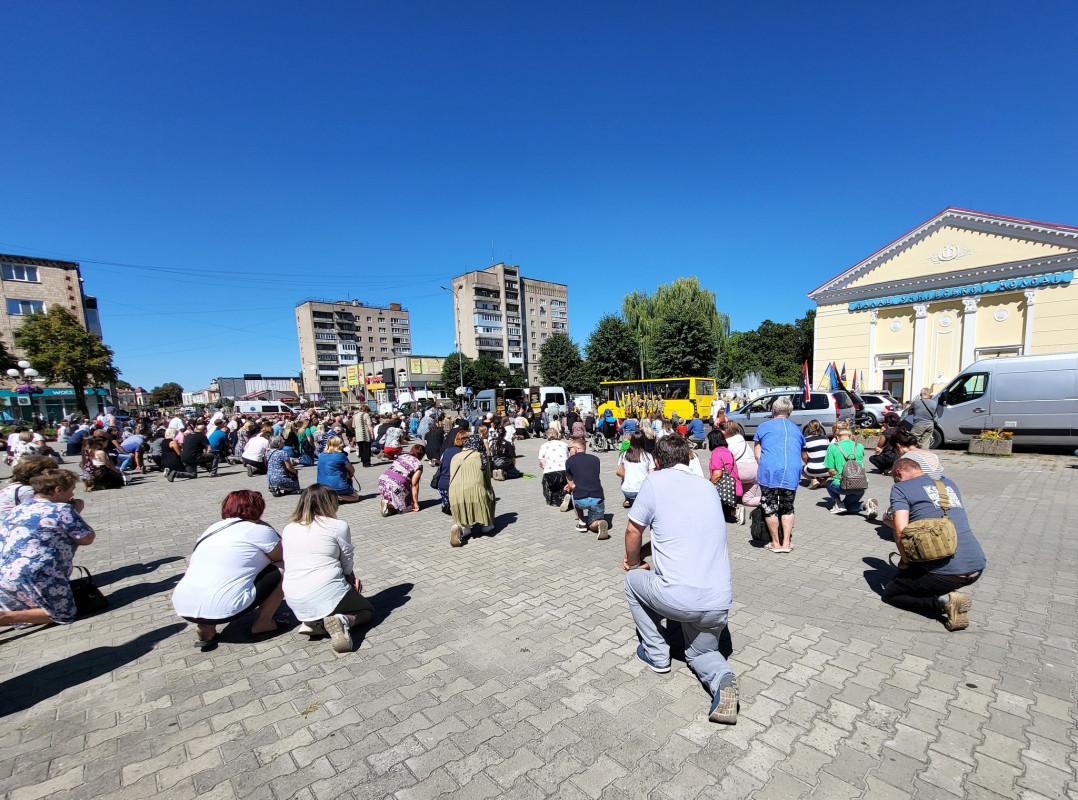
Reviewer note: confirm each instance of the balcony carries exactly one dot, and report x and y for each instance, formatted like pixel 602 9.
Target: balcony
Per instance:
pixel 484 342
pixel 513 331
pixel 516 358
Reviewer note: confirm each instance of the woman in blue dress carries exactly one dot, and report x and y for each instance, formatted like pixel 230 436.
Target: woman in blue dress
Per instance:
pixel 280 471
pixel 335 471
pixel 38 540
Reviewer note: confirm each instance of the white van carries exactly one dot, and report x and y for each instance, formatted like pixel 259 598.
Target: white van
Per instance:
pixel 263 407
pixel 1034 397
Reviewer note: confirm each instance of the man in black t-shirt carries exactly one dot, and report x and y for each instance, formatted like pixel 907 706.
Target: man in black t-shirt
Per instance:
pixel 584 480
pixel 197 452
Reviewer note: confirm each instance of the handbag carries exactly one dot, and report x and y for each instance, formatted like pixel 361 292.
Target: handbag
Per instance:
pixel 727 488
pixel 88 598
pixel 853 475
pixel 436 474
pixel 931 539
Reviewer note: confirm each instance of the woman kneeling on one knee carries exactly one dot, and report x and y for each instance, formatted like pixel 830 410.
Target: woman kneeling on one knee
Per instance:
pixel 320 584
pixel 234 567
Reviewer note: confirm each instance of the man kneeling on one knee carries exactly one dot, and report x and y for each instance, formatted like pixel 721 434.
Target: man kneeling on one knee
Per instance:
pixel 689 581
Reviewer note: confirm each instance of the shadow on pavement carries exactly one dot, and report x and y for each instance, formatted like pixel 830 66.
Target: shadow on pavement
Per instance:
pixel 118 574
pixel 129 594
pixel 385 603
pixel 26 691
pixel 878 574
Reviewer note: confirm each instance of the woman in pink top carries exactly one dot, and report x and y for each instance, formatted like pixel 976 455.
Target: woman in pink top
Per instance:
pixel 722 461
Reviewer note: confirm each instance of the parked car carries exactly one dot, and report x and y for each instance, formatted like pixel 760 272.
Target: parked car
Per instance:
pixel 1033 397
pixel 879 403
pixel 827 407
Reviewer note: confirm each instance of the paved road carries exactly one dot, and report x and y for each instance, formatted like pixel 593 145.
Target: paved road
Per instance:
pixel 506 668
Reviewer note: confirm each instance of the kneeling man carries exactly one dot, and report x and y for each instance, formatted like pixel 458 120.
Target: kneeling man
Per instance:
pixel 689 581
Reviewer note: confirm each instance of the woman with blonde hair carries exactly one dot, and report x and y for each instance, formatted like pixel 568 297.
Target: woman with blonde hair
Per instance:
pixel 336 472
pixel 320 584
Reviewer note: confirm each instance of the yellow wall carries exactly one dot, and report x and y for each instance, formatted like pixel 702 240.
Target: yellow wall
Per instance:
pixel 991 333
pixel 943 344
pixel 841 337
pixel 888 341
pixel 987 249
pixel 1055 320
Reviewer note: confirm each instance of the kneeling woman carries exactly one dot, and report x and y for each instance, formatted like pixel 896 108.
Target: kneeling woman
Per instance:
pixel 280 470
pixel 38 540
pixel 320 584
pixel 233 568
pixel 471 495
pixel 335 471
pixel 398 486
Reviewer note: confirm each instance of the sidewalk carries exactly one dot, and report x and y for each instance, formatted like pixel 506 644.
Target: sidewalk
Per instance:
pixel 506 668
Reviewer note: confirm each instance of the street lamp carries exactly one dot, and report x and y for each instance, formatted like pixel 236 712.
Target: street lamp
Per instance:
pixel 28 372
pixel 456 344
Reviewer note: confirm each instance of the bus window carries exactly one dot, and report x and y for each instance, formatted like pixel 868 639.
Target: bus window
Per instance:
pixel 554 397
pixel 705 388
pixel 677 390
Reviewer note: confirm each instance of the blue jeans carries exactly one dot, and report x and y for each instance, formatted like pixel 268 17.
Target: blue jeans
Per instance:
pixel 702 629
pixel 592 507
pixel 853 497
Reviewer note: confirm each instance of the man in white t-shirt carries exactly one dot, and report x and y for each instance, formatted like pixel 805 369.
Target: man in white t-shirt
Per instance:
pixel 689 580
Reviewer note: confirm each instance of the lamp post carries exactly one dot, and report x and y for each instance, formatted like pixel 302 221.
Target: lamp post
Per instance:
pixel 26 374
pixel 456 344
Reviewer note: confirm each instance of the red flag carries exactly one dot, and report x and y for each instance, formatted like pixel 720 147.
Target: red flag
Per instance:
pixel 806 382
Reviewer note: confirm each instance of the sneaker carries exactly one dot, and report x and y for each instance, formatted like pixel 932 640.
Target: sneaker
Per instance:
pixel 838 508
pixel 340 633
pixel 643 656
pixel 604 530
pixel 742 515
pixel 488 529
pixel 724 705
pixel 170 475
pixel 250 471
pixel 582 527
pixel 497 475
pixel 957 609
pixel 311 629
pixel 455 536
pixel 814 484
pixel 565 501
pixel 872 509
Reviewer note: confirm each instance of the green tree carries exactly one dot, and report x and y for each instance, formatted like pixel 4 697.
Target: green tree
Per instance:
pixel 613 350
pixel 777 350
pixel 488 372
pixel 517 378
pixel 167 394
pixel 63 351
pixel 123 385
pixel 560 364
pixel 646 313
pixel 7 361
pixel 682 344
pixel 454 365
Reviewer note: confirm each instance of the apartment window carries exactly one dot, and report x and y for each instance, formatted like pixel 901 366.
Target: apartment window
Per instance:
pixel 385 349
pixel 370 339
pixel 533 334
pixel 382 340
pixel 18 272
pixel 544 335
pixel 381 330
pixel 542 324
pixel 25 307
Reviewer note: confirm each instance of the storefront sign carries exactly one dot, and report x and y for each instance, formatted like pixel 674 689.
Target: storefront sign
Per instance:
pixel 987 287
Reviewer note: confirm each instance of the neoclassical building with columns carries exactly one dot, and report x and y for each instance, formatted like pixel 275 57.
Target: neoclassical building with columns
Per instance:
pixel 960 287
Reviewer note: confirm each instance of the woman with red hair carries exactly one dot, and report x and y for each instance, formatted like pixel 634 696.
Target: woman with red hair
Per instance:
pixel 233 569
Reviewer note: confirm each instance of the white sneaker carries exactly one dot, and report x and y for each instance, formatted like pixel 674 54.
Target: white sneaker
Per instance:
pixel 838 508
pixel 340 633
pixel 312 629
pixel 565 501
pixel 872 509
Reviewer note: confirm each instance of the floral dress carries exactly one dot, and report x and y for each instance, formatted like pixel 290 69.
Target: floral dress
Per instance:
pixel 37 545
pixel 395 484
pixel 277 475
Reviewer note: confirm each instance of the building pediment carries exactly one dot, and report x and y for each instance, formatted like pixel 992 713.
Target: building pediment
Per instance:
pixel 958 252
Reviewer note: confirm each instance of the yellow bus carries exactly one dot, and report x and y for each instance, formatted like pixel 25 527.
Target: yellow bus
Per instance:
pixel 681 396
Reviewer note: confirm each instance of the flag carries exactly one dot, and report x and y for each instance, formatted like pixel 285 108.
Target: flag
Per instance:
pixel 842 375
pixel 833 371
pixel 853 386
pixel 806 381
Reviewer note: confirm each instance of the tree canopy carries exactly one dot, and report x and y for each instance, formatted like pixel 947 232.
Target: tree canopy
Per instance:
pixel 613 349
pixel 560 364
pixel 63 351
pixel 167 394
pixel 647 314
pixel 776 349
pixel 7 361
pixel 485 372
pixel 682 344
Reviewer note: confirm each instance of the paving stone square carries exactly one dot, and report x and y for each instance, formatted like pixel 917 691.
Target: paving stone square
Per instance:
pixel 506 668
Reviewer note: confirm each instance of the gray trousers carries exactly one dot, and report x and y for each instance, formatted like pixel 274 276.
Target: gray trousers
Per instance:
pixel 702 629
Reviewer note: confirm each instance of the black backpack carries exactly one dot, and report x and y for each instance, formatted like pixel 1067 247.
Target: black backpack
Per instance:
pixel 757 527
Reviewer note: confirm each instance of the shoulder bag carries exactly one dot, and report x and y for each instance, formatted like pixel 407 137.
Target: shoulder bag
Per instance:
pixel 88 598
pixel 931 539
pixel 727 485
pixel 853 476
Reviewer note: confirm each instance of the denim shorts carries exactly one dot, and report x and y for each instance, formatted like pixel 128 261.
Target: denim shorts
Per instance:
pixel 593 506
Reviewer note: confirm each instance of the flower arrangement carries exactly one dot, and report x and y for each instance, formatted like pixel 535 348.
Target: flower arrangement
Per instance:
pixel 868 431
pixel 28 388
pixel 994 436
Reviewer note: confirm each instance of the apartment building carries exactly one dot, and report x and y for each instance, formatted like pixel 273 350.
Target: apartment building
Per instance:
pixel 335 335
pixel 30 285
pixel 498 312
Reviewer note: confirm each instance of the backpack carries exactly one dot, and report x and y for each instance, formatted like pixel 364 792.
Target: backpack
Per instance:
pixel 853 474
pixel 757 527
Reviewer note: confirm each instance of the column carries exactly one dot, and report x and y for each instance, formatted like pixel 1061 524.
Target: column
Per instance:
pixel 969 330
pixel 1027 335
pixel 871 380
pixel 920 331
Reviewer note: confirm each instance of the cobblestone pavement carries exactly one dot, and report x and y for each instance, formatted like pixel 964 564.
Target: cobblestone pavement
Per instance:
pixel 506 669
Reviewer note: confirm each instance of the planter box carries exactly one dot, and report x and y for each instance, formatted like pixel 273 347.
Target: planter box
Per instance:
pixel 991 447
pixel 868 441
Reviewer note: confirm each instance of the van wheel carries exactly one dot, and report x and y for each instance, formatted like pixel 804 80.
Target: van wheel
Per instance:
pixel 937 439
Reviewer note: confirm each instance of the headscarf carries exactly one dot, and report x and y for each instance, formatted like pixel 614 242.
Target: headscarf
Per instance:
pixel 475 442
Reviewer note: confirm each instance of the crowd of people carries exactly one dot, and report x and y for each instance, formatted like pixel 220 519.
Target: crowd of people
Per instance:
pixel 242 564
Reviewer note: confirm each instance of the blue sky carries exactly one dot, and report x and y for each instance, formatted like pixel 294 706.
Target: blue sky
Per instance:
pixel 212 164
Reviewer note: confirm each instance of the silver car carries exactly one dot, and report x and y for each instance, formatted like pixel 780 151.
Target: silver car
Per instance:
pixel 827 407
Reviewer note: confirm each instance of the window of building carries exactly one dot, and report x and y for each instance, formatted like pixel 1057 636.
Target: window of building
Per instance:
pixel 19 272
pixel 542 324
pixel 382 340
pixel 533 334
pixel 370 339
pixel 381 330
pixel 368 319
pixel 385 349
pixel 544 335
pixel 24 307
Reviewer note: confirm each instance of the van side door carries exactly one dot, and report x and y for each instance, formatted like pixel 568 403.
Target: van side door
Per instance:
pixel 963 407
pixel 1037 405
